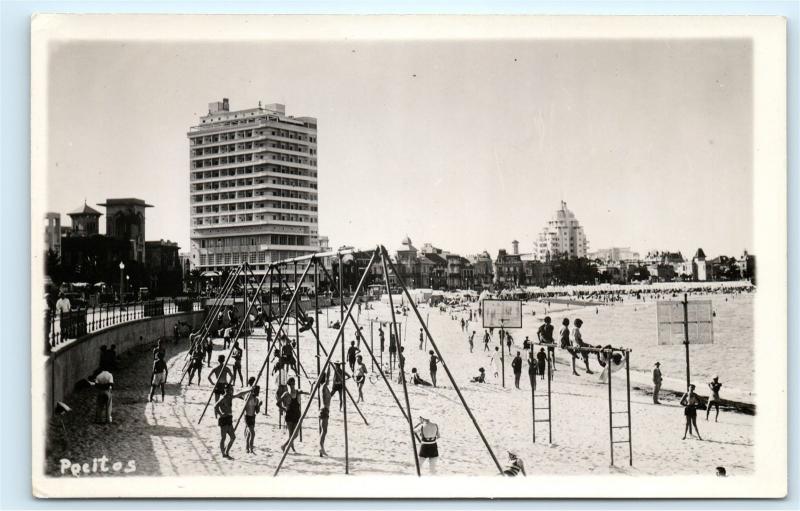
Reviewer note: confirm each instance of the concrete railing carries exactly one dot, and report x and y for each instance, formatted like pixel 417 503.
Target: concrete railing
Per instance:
pixel 78 359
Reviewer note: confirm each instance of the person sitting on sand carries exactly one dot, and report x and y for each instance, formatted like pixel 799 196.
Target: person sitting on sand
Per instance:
pixel 417 380
pixel 481 378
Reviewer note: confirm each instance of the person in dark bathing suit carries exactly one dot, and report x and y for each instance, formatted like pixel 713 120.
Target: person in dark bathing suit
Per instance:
pixel 690 402
pixel 432 366
pixel 291 406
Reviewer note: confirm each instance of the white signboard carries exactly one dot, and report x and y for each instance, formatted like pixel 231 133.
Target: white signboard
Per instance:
pixel 502 313
pixel 699 320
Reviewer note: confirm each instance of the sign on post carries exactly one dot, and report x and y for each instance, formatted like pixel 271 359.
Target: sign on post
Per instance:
pixel 698 325
pixel 502 313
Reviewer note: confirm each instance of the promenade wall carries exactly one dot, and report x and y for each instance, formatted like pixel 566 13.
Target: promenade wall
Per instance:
pixel 78 359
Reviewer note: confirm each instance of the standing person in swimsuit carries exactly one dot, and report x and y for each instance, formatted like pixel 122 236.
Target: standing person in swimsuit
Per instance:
pixel 291 406
pixel 472 341
pixel 532 369
pixel 339 376
pixel 429 449
pixel 222 376
pixel 208 346
pixel 486 341
pixel 690 402
pixel 432 366
pixel 541 361
pixel 422 336
pixel 360 377
pixel 402 365
pixel 252 405
pixel 516 366
pixel 281 377
pixel 392 348
pixel 196 364
pixel 714 385
pixel 223 409
pixel 324 412
pixel 352 353
pixel 237 363
pixel 159 377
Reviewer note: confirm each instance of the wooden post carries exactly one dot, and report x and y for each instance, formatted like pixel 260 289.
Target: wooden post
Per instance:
pixel 315 386
pixel 686 336
pixel 610 412
pixel 444 365
pixel 344 365
pixel 402 368
pixel 549 403
pixel 270 346
pixel 628 383
pixel 316 322
pixel 227 359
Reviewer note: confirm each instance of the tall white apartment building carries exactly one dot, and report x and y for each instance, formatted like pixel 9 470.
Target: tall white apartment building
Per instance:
pixel 562 236
pixel 253 187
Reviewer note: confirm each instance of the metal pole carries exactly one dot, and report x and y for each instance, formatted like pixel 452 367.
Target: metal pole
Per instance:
pixel 444 365
pixel 533 406
pixel 344 380
pixel 297 335
pixel 316 321
pixel 402 364
pixel 628 383
pixel 245 320
pixel 502 353
pixel 549 403
pixel 686 336
pixel 271 345
pixel 610 413
pixel 372 342
pixel 315 386
pixel 230 351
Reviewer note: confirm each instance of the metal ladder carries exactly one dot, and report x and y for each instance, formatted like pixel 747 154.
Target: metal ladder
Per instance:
pixel 548 407
pixel 626 418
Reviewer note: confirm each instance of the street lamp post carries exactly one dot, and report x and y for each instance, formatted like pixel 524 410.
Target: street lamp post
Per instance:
pixel 121 280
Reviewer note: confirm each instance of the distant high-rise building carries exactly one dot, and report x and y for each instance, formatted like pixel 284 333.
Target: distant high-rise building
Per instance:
pixel 563 236
pixel 85 221
pixel 253 187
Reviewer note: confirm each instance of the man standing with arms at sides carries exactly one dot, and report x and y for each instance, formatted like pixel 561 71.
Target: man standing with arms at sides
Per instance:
pixel 656 383
pixel 486 341
pixel 472 341
pixel 516 365
pixel 421 339
pixel 324 412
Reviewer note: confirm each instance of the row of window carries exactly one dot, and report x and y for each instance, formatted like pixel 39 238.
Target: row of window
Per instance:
pixel 233 183
pixel 245 158
pixel 250 169
pixel 244 206
pixel 239 219
pixel 244 194
pixel 245 134
pixel 252 241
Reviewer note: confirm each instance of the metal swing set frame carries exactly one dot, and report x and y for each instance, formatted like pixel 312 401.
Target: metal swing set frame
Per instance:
pixel 379 256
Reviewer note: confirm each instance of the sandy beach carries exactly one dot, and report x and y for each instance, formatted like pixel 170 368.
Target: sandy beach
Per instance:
pixel 165 438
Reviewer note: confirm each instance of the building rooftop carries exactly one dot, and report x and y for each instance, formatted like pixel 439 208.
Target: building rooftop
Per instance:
pixel 85 210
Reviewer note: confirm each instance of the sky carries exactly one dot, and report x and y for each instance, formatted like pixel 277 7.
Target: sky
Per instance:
pixel 467 145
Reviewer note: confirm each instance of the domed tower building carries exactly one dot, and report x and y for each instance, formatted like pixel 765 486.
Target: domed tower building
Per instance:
pixel 562 236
